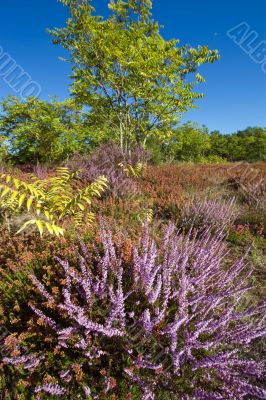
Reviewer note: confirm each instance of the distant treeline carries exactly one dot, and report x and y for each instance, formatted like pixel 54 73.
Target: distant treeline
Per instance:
pixel 249 144
pixel 195 143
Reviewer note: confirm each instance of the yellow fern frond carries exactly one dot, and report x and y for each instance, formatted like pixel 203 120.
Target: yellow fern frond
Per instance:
pixel 135 171
pixel 51 200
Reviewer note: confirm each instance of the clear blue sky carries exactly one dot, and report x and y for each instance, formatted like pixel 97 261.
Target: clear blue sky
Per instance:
pixel 235 86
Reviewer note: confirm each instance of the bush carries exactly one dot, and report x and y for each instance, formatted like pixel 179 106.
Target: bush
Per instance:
pixel 107 160
pixel 168 321
pixel 250 181
pixel 211 159
pixel 204 213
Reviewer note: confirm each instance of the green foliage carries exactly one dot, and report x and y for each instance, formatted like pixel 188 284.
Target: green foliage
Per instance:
pixel 249 145
pixel 188 143
pixel 193 143
pixel 133 80
pixel 51 200
pixel 211 159
pixel 145 216
pixel 39 131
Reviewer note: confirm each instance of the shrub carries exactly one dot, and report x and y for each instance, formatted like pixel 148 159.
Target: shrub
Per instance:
pixel 250 181
pixel 205 213
pixel 108 160
pixel 171 185
pixel 255 218
pixel 167 322
pixel 212 159
pixel 162 185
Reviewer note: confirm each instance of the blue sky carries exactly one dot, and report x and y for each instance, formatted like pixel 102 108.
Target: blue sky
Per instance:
pixel 235 86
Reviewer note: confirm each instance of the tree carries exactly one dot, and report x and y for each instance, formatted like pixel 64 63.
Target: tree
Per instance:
pixel 130 77
pixel 253 141
pixel 190 142
pixel 219 144
pixel 249 144
pixel 40 131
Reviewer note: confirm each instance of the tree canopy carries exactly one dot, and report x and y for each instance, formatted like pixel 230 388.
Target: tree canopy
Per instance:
pixel 192 142
pixel 130 86
pixel 132 79
pixel 39 131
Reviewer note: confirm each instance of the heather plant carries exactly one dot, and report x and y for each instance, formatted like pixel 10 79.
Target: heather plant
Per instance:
pixel 170 321
pixel 162 185
pixel 119 169
pixel 208 213
pixel 250 182
pixel 170 185
pixel 255 218
pixel 127 214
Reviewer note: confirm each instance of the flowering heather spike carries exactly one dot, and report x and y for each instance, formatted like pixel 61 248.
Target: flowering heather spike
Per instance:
pixel 146 319
pixel 87 391
pixel 46 319
pixel 64 374
pixel 175 309
pixel 84 250
pixel 41 288
pixel 28 361
pixel 205 213
pixel 155 293
pixel 52 389
pixel 86 279
pixel 203 395
pixel 172 328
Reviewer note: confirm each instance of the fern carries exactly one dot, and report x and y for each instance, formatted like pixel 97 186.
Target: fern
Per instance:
pixel 145 216
pixel 135 171
pixel 50 200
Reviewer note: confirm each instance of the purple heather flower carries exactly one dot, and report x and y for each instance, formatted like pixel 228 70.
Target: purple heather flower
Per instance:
pixel 52 389
pixel 46 319
pixel 87 391
pixel 27 361
pixel 215 214
pixel 41 289
pixel 179 300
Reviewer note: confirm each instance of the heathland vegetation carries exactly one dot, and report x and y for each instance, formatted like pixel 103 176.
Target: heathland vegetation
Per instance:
pixel 132 248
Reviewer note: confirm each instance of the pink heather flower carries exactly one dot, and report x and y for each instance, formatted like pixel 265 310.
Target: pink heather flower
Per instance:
pixel 87 391
pixel 52 389
pixel 174 304
pixel 46 319
pixel 205 213
pixel 27 361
